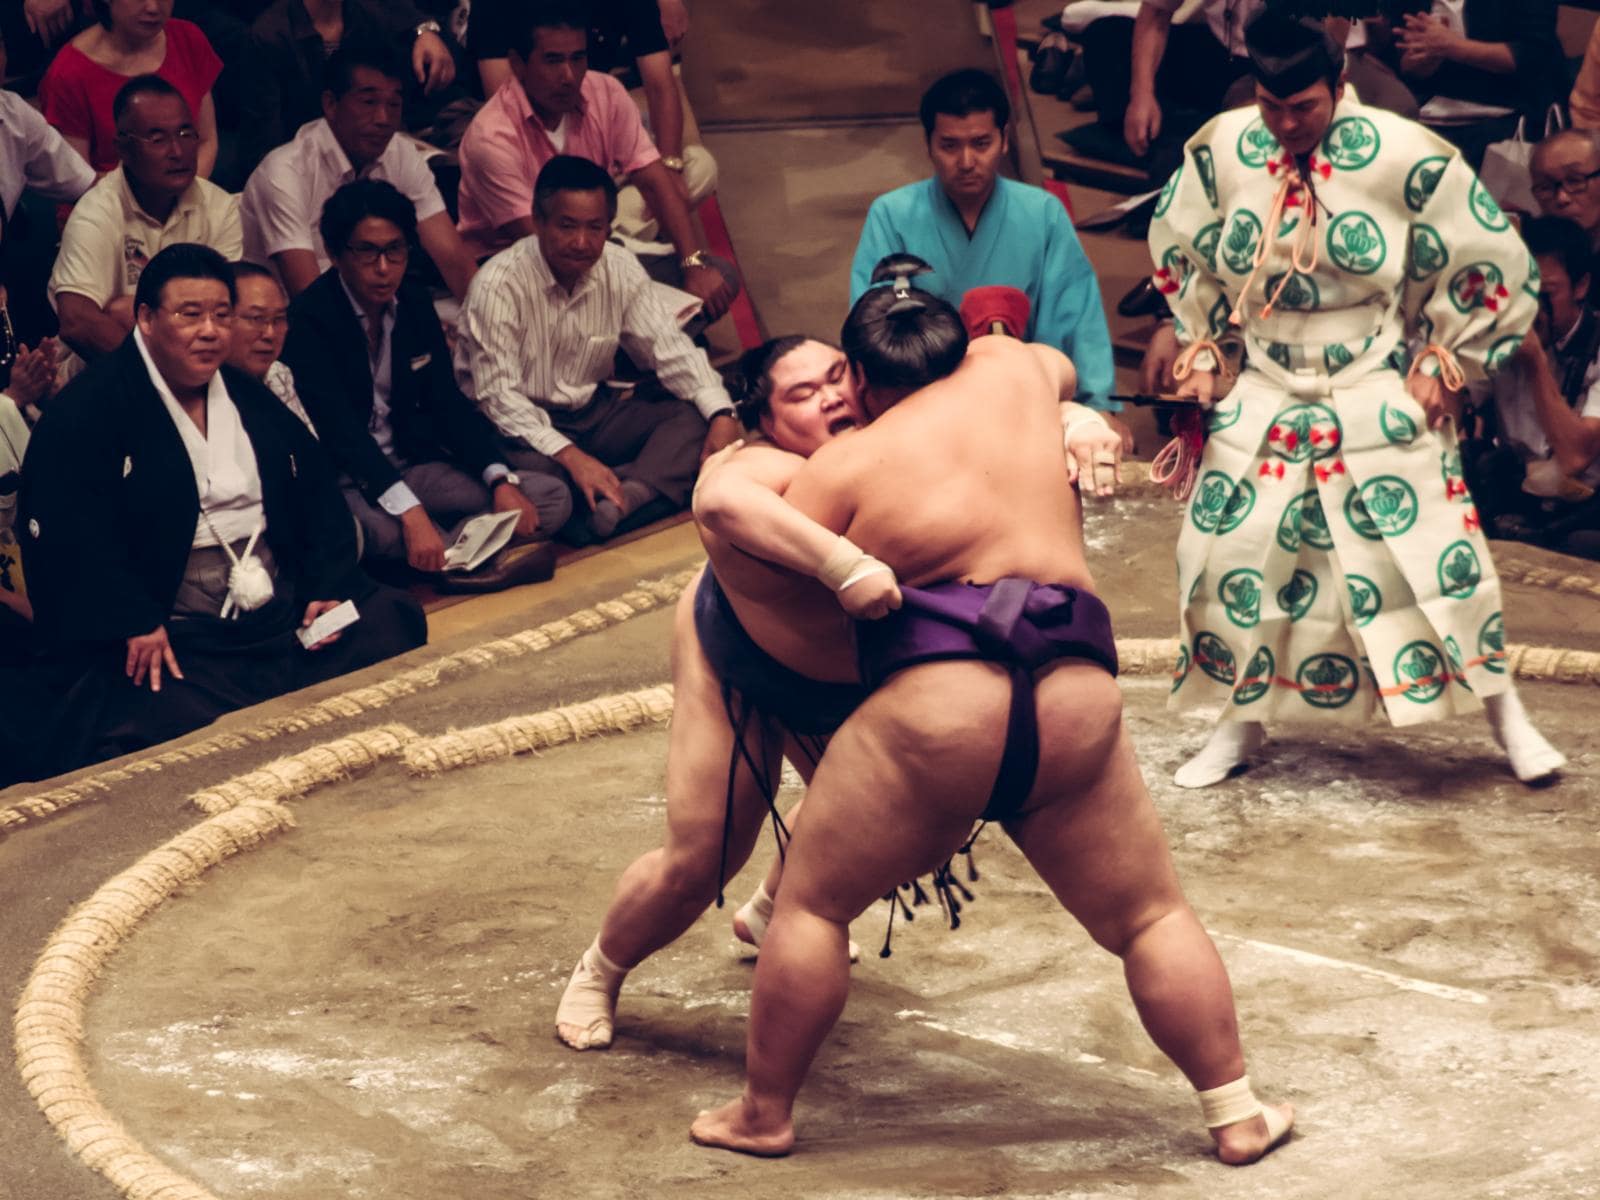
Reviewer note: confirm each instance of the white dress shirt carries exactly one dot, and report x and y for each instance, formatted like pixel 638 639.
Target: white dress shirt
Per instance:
pixel 282 203
pixel 225 470
pixel 33 155
pixel 525 344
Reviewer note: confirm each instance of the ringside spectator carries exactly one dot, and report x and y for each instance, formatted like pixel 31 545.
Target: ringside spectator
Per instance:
pixel 154 199
pixel 130 38
pixel 537 342
pixel 357 137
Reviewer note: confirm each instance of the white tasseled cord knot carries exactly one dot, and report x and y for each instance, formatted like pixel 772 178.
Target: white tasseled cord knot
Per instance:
pixel 249 583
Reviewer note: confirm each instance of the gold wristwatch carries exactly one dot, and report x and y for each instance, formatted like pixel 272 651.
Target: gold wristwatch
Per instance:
pixel 696 259
pixel 672 162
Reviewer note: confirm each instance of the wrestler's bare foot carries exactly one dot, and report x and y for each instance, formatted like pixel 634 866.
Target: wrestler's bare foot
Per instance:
pixel 740 1125
pixel 1245 1141
pixel 588 1009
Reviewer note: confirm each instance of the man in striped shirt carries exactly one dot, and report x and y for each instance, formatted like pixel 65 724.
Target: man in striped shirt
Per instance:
pixel 536 342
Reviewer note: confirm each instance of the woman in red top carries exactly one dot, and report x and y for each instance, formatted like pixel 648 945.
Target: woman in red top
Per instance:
pixel 133 37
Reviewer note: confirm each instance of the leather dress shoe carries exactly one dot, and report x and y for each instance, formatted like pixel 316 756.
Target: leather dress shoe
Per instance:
pixel 531 562
pixel 1143 301
pixel 1050 63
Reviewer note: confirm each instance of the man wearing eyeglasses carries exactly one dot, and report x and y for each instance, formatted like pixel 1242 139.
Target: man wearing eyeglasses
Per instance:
pixel 371 366
pixel 154 199
pixel 1564 170
pixel 151 484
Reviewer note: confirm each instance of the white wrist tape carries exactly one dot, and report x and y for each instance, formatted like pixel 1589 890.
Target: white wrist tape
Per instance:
pixel 847 563
pixel 1088 417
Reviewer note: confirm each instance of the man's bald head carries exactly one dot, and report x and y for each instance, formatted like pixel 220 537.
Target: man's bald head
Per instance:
pixel 1565 172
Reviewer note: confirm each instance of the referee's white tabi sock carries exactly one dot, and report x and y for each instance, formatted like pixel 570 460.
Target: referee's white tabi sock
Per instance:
pixel 588 1007
pixel 1532 758
pixel 1231 745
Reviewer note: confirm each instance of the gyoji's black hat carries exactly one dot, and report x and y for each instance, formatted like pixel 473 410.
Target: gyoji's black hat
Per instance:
pixel 1288 54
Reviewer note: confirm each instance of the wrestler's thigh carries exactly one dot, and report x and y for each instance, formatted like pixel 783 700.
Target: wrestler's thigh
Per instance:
pixel 699 749
pixel 899 788
pixel 1092 831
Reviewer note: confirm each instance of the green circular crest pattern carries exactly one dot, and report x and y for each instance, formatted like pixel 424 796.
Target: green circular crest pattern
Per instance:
pixel 1205 244
pixel 1300 294
pixel 1212 655
pixel 1238 507
pixel 1460 572
pixel 1225 414
pixel 1336 357
pixel 1474 284
pixel 1422 179
pixel 1530 285
pixel 1278 352
pixel 1355 243
pixel 1210 499
pixel 1351 143
pixel 1206 168
pixel 1239 244
pixel 1256 144
pixel 1328 680
pixel 1427 256
pixel 1217 317
pixel 1194 588
pixel 1501 350
pixel 1306 431
pixel 1397 426
pixel 1359 519
pixel 1240 593
pixel 1257 681
pixel 1392 504
pixel 1366 601
pixel 1304 521
pixel 1180 670
pixel 1297 596
pixel 1164 201
pixel 1492 644
pixel 1484 207
pixel 1420 669
pixel 1458 661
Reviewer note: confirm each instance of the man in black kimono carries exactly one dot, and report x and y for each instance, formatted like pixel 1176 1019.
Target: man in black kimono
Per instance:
pixel 179 526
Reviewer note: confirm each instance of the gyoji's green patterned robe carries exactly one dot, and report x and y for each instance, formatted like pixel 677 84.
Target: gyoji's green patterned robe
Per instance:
pixel 1331 558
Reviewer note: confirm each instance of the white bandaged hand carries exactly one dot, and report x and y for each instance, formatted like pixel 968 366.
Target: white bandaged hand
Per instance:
pixel 866 586
pixel 1094 449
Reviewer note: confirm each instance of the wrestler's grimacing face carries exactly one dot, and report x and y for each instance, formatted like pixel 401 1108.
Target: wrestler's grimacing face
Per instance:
pixel 815 397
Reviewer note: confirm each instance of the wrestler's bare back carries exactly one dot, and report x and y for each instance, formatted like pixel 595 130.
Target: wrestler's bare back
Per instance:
pixel 964 479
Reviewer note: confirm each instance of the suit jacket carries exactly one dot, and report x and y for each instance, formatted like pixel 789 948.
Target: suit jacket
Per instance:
pixel 108 505
pixel 432 421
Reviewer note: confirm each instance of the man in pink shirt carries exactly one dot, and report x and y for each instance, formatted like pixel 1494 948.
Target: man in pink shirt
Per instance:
pixel 553 105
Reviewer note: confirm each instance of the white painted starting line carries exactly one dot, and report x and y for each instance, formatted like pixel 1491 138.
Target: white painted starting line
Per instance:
pixel 1438 990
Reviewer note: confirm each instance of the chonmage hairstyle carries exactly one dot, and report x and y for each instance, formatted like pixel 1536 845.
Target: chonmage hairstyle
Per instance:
pixel 183 260
pixel 899 335
pixel 750 381
pixel 358 200
pixel 961 93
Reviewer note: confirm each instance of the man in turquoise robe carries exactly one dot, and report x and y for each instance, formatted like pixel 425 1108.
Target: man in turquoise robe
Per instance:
pixel 977 229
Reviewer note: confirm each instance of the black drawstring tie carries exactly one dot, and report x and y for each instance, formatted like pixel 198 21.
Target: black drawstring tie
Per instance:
pixel 947 886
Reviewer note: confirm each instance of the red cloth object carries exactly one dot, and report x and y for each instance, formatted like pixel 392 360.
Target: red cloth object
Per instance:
pixel 76 92
pixel 983 307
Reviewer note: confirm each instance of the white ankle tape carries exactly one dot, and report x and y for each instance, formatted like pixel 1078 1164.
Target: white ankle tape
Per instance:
pixel 599 963
pixel 1229 1103
pixel 846 564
